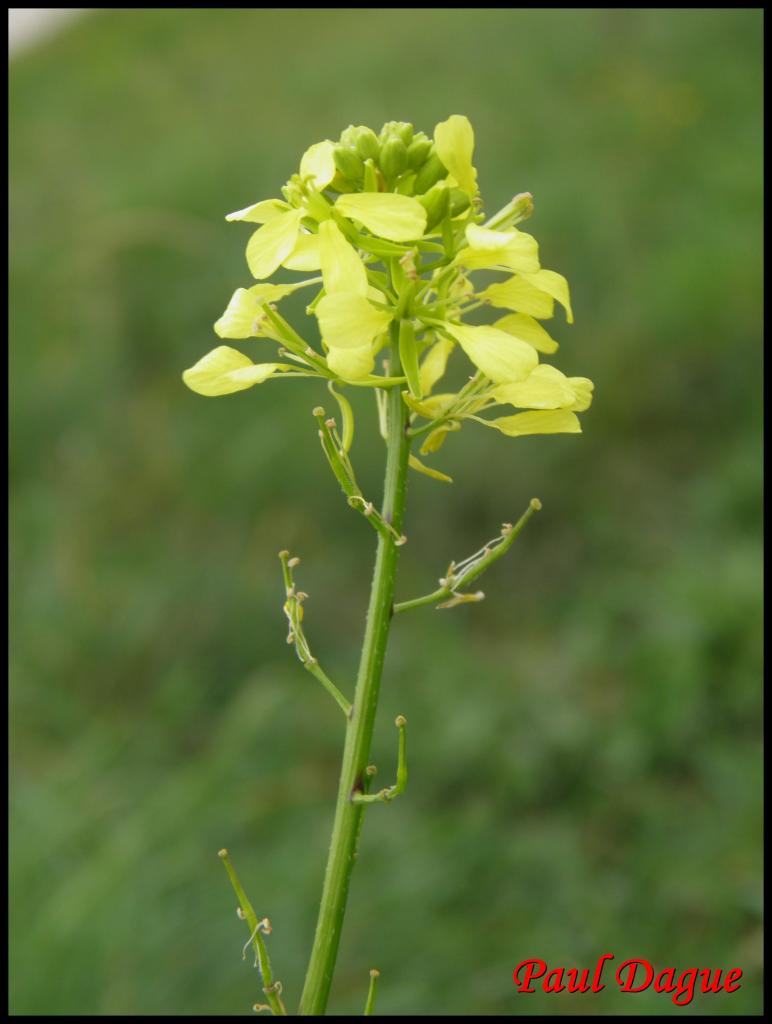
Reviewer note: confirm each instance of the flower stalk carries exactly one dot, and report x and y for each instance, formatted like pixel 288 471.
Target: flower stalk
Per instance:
pixel 394 224
pixel 359 730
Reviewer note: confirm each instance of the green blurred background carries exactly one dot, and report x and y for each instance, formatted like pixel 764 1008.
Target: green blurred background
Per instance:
pixel 585 759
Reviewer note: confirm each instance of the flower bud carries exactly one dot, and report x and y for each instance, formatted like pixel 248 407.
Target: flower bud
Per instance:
pixel 418 150
pixel 459 201
pixel 436 202
pixel 393 158
pixel 404 131
pixel 348 136
pixel 519 208
pixel 401 129
pixel 366 143
pixel 432 171
pixel 348 162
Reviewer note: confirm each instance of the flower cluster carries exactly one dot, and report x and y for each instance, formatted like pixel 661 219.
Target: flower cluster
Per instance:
pixel 392 226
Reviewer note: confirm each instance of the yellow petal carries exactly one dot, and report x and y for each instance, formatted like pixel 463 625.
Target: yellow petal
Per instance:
pixel 260 213
pixel 520 295
pixel 436 439
pixel 527 329
pixel 272 243
pixel 225 370
pixel 454 141
pixel 583 388
pixel 385 214
pixel 510 250
pixel 557 421
pixel 553 284
pixel 349 321
pixel 544 388
pixel 245 316
pixel 481 238
pixel 342 269
pixel 500 356
pixel 435 474
pixel 318 165
pixel 434 363
pixel 305 255
pixel 351 363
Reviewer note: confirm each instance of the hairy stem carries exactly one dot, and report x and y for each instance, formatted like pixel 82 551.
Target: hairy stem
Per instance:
pixel 359 729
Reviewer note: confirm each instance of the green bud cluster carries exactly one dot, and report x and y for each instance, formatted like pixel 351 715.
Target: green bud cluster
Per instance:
pixel 398 159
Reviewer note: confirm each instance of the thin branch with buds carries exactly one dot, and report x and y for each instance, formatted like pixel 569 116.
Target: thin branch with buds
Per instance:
pixel 460 575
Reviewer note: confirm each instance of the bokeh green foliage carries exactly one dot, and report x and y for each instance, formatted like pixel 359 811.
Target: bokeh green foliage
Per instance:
pixel 584 748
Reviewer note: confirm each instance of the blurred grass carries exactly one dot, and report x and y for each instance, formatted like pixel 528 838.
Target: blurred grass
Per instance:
pixel 585 753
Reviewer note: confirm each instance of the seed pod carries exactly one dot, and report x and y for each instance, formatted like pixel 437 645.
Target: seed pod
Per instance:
pixel 459 201
pixel 348 162
pixel 366 143
pixel 417 151
pixel 432 171
pixel 408 356
pixel 393 159
pixel 436 202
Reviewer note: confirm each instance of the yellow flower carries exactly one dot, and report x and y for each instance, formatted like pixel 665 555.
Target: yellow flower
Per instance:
pixel 387 215
pixel 547 388
pixel 348 322
pixel 225 370
pixel 499 250
pixel 522 326
pixel 497 354
pixel 531 293
pixel 558 421
pixel 245 316
pixel 392 222
pixel 454 141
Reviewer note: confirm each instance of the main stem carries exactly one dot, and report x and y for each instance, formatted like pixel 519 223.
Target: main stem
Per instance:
pixel 359 730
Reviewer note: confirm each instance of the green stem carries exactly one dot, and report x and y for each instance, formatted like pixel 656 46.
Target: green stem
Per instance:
pixel 480 562
pixel 359 730
pixel 271 988
pixel 370 1004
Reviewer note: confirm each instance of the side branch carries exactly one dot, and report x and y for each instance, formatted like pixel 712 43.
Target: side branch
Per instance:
pixel 271 987
pixel 385 795
pixel 450 592
pixel 293 609
pixel 337 456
